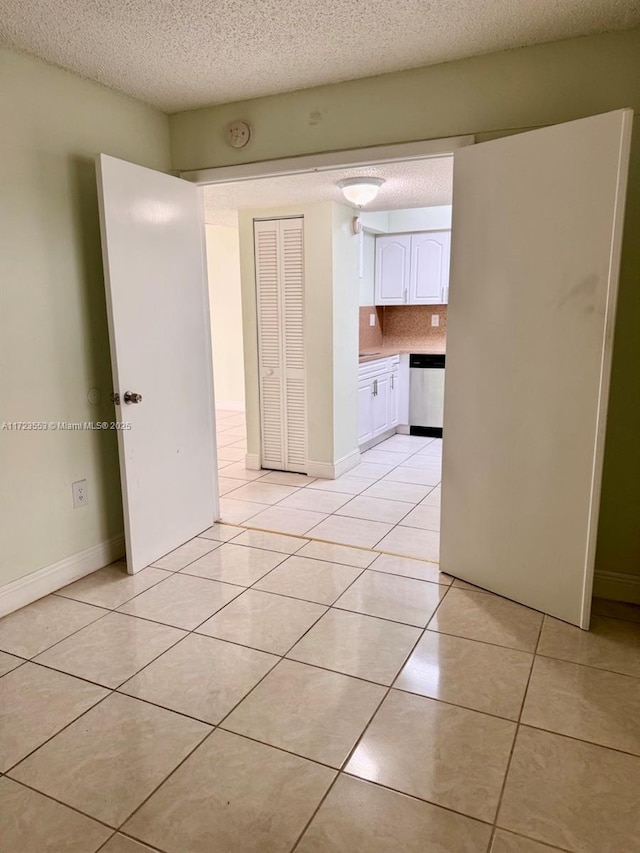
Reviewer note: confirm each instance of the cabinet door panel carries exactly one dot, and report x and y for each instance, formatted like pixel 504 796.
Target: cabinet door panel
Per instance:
pixel 394 400
pixel 381 405
pixel 429 280
pixel 365 410
pixel 393 256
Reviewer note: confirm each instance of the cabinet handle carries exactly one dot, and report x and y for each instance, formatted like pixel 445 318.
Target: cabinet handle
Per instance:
pixel 392 382
pixel 405 295
pixel 375 388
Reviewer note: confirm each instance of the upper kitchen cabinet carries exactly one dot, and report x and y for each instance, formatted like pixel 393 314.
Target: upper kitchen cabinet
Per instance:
pixel 412 269
pixel 393 261
pixel 429 269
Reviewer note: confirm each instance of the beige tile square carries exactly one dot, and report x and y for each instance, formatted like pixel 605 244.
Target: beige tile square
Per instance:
pixel 450 756
pixel 226 485
pixel 507 842
pixel 8 662
pixel 616 609
pixel 392 597
pixel 409 568
pixel 423 517
pixel 316 500
pixel 422 476
pixel 28 631
pixel 425 462
pixel 489 618
pixel 112 586
pixel 35 703
pixel 227 453
pixel 375 509
pixel 263 493
pixel 405 443
pixel 409 492
pixel 458 583
pixel 585 703
pixel 385 457
pixel 609 644
pixel 288 478
pixel 370 470
pixel 312 580
pixel 358 817
pixel 344 554
pixel 182 601
pixel 280 542
pixel 264 621
pixel 237 512
pixel 121 844
pixel 358 645
pixel 308 711
pixel 350 531
pixel 412 542
pixel 236 564
pixel 221 533
pixel 286 520
pixel 468 673
pixel 201 677
pixel 433 498
pixel 233 796
pixel 185 554
pixel 111 650
pixel 238 471
pixel 32 823
pixel 107 763
pixel 572 794
pixel 347 485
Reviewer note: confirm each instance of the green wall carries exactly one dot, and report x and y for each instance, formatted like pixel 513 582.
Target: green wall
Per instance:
pixel 488 96
pixel 54 341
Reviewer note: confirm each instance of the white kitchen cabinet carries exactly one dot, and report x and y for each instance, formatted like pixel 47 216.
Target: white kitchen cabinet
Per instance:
pixel 429 269
pixel 412 269
pixel 381 387
pixel 393 260
pixel 394 398
pixel 365 410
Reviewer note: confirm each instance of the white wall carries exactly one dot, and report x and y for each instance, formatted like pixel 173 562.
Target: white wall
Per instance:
pixel 420 218
pixel 367 282
pixel 54 339
pixel 225 298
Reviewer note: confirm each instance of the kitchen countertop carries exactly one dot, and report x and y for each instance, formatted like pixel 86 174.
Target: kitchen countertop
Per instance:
pixel 385 352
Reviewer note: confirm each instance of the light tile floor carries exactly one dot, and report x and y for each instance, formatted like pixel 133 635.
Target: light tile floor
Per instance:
pixel 258 692
pixel 390 501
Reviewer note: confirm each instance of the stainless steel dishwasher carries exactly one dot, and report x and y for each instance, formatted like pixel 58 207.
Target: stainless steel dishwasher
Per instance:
pixel 426 394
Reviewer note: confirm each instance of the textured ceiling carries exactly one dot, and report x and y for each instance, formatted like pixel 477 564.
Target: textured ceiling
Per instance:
pixel 181 54
pixel 415 183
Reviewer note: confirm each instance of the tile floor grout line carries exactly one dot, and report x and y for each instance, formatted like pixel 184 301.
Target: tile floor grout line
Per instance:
pixel 61 803
pixel 515 738
pixel 168 573
pixel 345 763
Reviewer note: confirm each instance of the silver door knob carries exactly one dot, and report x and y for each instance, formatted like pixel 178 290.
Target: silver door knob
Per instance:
pixel 131 397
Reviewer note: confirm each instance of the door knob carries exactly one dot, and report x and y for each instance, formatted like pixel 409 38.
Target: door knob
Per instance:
pixel 131 397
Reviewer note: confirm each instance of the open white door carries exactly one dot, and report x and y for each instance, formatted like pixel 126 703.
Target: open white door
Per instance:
pixel 536 237
pixel 157 304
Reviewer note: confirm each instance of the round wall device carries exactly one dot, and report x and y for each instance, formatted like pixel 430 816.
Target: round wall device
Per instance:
pixel 238 134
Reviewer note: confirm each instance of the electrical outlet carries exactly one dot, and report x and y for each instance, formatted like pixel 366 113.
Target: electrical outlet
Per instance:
pixel 372 319
pixel 79 491
pixel 435 319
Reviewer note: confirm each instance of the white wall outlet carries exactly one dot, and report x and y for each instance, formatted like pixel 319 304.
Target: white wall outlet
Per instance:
pixel 372 319
pixel 80 495
pixel 435 319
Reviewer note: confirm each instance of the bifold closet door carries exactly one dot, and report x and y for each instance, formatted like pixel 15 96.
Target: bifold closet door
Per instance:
pixel 279 253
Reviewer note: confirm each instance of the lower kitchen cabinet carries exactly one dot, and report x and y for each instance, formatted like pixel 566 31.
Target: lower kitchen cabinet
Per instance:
pixel 379 398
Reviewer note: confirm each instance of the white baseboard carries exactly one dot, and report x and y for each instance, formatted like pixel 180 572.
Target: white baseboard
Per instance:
pixel 35 585
pixel 331 470
pixel 251 461
pixel 617 586
pixel 368 445
pixel 230 406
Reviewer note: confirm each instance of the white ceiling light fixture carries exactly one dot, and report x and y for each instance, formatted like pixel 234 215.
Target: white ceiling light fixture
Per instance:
pixel 360 191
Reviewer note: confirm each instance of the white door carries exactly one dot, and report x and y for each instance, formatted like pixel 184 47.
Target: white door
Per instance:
pixel 537 229
pixel 393 257
pixel 279 253
pixel 394 400
pixel 429 278
pixel 158 311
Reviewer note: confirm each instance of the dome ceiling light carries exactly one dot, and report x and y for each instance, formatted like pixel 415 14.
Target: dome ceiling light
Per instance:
pixel 360 191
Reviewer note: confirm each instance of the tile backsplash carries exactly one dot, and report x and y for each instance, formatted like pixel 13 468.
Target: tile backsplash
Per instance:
pixel 403 327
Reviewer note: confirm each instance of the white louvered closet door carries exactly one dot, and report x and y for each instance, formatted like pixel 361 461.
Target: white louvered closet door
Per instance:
pixel 279 253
